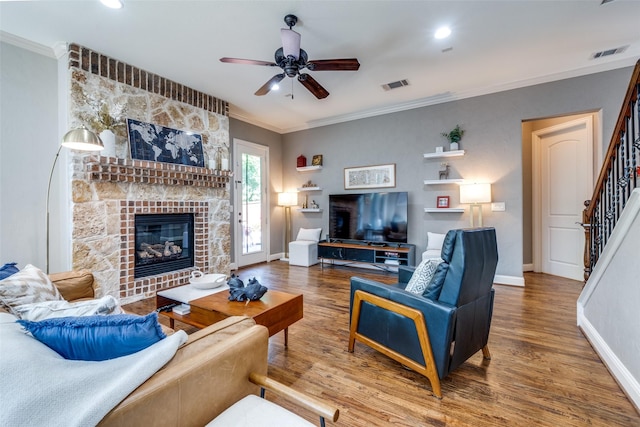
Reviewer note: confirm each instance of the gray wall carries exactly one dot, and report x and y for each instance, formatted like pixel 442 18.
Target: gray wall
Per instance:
pixel 250 133
pixel 493 144
pixel 28 143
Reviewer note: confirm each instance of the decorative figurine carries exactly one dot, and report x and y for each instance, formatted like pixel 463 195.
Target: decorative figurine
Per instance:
pixel 239 292
pixel 444 170
pixel 314 205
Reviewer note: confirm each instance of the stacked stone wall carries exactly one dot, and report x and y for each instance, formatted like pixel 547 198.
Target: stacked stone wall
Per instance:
pixel 107 192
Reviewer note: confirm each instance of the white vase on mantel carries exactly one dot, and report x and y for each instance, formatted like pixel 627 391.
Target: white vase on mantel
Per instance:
pixel 454 146
pixel 109 141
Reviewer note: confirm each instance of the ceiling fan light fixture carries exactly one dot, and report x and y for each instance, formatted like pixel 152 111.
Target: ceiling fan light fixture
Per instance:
pixel 290 43
pixel 442 32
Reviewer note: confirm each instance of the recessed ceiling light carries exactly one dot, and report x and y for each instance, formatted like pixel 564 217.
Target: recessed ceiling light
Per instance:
pixel 113 4
pixel 442 33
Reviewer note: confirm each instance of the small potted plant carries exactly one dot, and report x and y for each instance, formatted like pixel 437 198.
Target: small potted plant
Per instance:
pixel 454 136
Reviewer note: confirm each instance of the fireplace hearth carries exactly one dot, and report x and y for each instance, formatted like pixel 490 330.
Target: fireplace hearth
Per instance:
pixel 163 243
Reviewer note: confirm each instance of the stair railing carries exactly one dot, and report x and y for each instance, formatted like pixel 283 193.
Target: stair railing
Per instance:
pixel 619 176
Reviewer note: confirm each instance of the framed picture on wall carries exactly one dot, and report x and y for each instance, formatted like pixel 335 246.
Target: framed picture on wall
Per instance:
pixel 443 202
pixel 162 144
pixel 378 176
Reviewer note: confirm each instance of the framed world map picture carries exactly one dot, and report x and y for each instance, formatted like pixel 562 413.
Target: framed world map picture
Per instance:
pixel 161 144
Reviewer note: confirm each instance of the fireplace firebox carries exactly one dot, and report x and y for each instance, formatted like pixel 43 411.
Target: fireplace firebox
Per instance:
pixel 163 243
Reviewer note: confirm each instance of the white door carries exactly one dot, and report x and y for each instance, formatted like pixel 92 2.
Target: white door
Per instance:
pixel 250 202
pixel 563 180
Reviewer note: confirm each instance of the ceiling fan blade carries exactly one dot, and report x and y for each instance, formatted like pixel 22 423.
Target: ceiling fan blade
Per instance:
pixel 348 64
pixel 313 86
pixel 266 88
pixel 290 42
pixel 248 61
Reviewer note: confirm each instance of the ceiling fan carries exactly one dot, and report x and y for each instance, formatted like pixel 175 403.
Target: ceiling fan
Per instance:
pixel 292 60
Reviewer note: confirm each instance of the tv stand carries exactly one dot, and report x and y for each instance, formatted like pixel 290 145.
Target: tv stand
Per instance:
pixel 379 254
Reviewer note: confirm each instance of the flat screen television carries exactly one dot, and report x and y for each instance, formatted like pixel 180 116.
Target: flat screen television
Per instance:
pixel 369 217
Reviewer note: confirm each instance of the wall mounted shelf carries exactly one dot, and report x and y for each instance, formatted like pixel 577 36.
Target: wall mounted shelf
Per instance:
pixel 309 210
pixel 309 168
pixel 443 181
pixel 444 210
pixel 456 153
pixel 309 189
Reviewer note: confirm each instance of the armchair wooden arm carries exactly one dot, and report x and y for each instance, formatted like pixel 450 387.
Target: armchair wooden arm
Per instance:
pixel 322 409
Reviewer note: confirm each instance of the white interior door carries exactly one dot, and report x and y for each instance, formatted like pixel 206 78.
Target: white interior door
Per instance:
pixel 563 180
pixel 250 202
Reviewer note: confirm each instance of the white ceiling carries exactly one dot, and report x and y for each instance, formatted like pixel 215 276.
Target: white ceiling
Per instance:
pixel 497 45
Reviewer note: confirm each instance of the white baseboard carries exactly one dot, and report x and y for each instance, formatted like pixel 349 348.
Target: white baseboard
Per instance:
pixel 508 280
pixel 233 266
pixel 629 385
pixel 277 257
pixel 527 267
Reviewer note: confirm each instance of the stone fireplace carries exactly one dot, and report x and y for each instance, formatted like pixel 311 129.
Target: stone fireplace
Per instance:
pixel 109 194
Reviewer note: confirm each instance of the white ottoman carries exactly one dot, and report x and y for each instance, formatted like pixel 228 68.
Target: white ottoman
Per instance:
pixel 303 253
pixel 253 411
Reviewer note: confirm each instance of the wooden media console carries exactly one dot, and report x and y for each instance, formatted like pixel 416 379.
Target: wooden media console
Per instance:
pixel 381 255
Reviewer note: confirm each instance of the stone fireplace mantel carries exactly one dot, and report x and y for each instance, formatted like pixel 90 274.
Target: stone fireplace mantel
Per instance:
pixel 100 168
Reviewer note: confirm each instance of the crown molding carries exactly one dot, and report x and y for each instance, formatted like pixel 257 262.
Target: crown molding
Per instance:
pixel 451 96
pixel 51 52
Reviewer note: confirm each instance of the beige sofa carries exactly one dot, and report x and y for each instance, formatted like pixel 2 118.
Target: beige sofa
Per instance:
pixel 209 373
pixel 216 371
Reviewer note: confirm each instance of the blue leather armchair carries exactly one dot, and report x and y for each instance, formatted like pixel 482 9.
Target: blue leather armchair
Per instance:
pixel 432 336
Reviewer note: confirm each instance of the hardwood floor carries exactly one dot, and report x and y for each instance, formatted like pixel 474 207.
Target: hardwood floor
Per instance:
pixel 543 371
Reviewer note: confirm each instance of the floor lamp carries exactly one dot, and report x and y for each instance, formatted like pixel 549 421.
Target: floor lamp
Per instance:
pixel 474 195
pixel 287 200
pixel 81 139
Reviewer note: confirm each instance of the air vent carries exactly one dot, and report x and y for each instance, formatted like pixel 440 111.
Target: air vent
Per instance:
pixel 609 52
pixel 395 85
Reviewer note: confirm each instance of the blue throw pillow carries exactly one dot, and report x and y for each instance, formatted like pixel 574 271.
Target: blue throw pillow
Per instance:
pixel 8 269
pixel 434 288
pixel 97 337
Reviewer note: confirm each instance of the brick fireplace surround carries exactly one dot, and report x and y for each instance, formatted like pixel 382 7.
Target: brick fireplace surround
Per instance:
pixel 107 172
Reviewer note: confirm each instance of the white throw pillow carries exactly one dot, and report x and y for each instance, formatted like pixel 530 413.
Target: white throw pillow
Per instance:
pixel 422 276
pixel 435 241
pixel 51 309
pixel 312 234
pixel 27 286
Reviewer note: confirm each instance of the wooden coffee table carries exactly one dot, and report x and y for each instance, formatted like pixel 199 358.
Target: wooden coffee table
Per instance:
pixel 276 310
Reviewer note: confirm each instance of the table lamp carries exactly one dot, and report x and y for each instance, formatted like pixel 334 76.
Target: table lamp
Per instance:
pixel 474 195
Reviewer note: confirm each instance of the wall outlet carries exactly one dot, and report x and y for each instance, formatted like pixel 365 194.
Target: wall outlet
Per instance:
pixel 498 207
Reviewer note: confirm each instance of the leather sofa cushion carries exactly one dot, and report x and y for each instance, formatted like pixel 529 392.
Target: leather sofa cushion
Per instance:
pixel 74 285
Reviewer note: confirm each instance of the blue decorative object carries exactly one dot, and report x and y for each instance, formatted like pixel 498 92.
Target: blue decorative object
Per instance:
pixel 97 338
pixel 8 269
pixel 239 292
pixel 161 144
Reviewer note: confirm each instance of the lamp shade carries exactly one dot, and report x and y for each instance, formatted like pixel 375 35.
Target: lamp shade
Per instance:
pixel 82 139
pixel 290 43
pixel 475 193
pixel 287 199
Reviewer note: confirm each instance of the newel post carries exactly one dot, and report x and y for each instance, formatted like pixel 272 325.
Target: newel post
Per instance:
pixel 586 225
